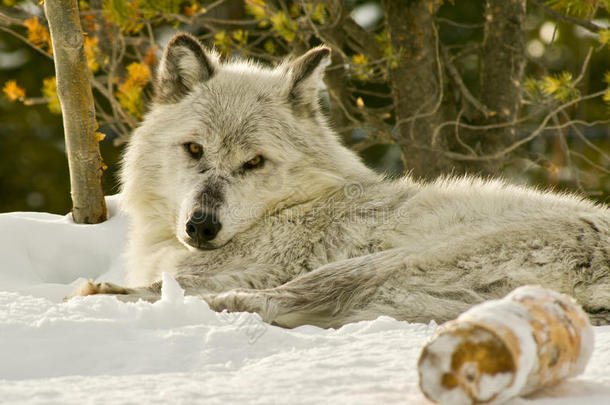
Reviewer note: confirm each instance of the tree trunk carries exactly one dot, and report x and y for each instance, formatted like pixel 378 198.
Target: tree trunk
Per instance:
pixel 502 67
pixel 78 111
pixel 416 86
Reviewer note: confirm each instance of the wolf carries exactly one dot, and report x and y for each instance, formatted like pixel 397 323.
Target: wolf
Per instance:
pixel 237 186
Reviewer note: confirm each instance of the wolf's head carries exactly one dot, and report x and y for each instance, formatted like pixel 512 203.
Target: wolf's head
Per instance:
pixel 226 144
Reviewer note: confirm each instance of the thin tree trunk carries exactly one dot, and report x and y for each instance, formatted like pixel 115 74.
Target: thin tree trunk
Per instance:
pixel 416 86
pixel 78 111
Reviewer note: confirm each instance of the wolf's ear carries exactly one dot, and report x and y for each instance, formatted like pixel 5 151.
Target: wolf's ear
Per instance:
pixel 184 64
pixel 305 75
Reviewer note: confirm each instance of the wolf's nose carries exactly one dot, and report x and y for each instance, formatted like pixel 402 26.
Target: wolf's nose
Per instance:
pixel 203 226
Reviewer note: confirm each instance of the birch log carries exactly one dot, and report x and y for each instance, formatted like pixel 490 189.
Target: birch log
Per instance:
pixel 78 111
pixel 500 349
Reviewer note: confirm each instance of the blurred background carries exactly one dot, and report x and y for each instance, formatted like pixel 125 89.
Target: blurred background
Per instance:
pixel 564 61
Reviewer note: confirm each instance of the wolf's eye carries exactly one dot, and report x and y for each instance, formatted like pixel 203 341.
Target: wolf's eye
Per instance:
pixel 254 163
pixel 194 149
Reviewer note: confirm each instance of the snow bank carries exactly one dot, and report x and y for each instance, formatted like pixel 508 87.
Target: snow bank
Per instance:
pixel 100 350
pixel 42 253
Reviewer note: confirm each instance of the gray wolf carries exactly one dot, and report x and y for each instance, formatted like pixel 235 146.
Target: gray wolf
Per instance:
pixel 237 186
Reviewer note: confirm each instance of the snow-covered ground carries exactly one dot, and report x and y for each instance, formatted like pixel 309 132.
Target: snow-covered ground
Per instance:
pixel 99 350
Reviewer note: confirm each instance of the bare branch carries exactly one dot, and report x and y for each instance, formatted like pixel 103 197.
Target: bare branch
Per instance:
pixel 13 15
pixel 541 127
pixel 24 39
pixel 457 78
pixel 459 25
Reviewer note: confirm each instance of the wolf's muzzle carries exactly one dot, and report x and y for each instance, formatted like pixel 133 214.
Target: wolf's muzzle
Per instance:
pixel 203 226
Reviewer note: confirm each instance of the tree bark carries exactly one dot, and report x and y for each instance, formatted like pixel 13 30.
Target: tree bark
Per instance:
pixel 416 86
pixel 502 67
pixel 78 111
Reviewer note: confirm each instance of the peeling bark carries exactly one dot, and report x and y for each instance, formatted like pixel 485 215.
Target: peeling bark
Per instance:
pixel 78 111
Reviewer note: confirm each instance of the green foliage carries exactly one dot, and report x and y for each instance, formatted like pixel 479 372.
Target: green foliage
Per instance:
pixel 256 8
pixel 49 90
pixel 240 37
pixel 318 12
pixel 131 15
pixel 122 51
pixel 270 47
pixel 383 41
pixel 604 37
pixel 559 87
pixel 577 8
pixel 362 70
pixel 284 26
pixel 223 42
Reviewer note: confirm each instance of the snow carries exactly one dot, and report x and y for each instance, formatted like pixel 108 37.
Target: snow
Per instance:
pixel 99 350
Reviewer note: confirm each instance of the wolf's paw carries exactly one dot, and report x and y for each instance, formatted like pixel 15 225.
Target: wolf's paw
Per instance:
pixel 239 301
pixel 91 288
pixel 232 301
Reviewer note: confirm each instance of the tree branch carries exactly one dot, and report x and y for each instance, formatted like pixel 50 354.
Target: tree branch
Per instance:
pixel 585 24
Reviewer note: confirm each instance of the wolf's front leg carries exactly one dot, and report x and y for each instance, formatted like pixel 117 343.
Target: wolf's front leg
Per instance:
pixel 416 287
pixel 151 293
pixel 329 296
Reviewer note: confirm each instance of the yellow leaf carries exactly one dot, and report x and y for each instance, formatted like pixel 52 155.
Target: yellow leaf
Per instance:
pixel 256 8
pixel 92 53
pixel 130 98
pixel 360 59
pixel 150 59
pixel 223 42
pixel 104 166
pixel 138 73
pixel 284 26
pixel 362 71
pixel 129 14
pixel 12 91
pixel 129 93
pixel 99 137
pixel 319 13
pixel 241 37
pixel 295 11
pixel 191 10
pixel 604 37
pixel 360 103
pixel 38 35
pixel 49 90
pixel 270 47
pixel 550 84
pixel 560 86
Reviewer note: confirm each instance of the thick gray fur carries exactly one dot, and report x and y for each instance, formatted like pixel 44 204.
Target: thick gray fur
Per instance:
pixel 316 237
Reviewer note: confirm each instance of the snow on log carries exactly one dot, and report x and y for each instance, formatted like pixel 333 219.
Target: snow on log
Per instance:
pixel 504 348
